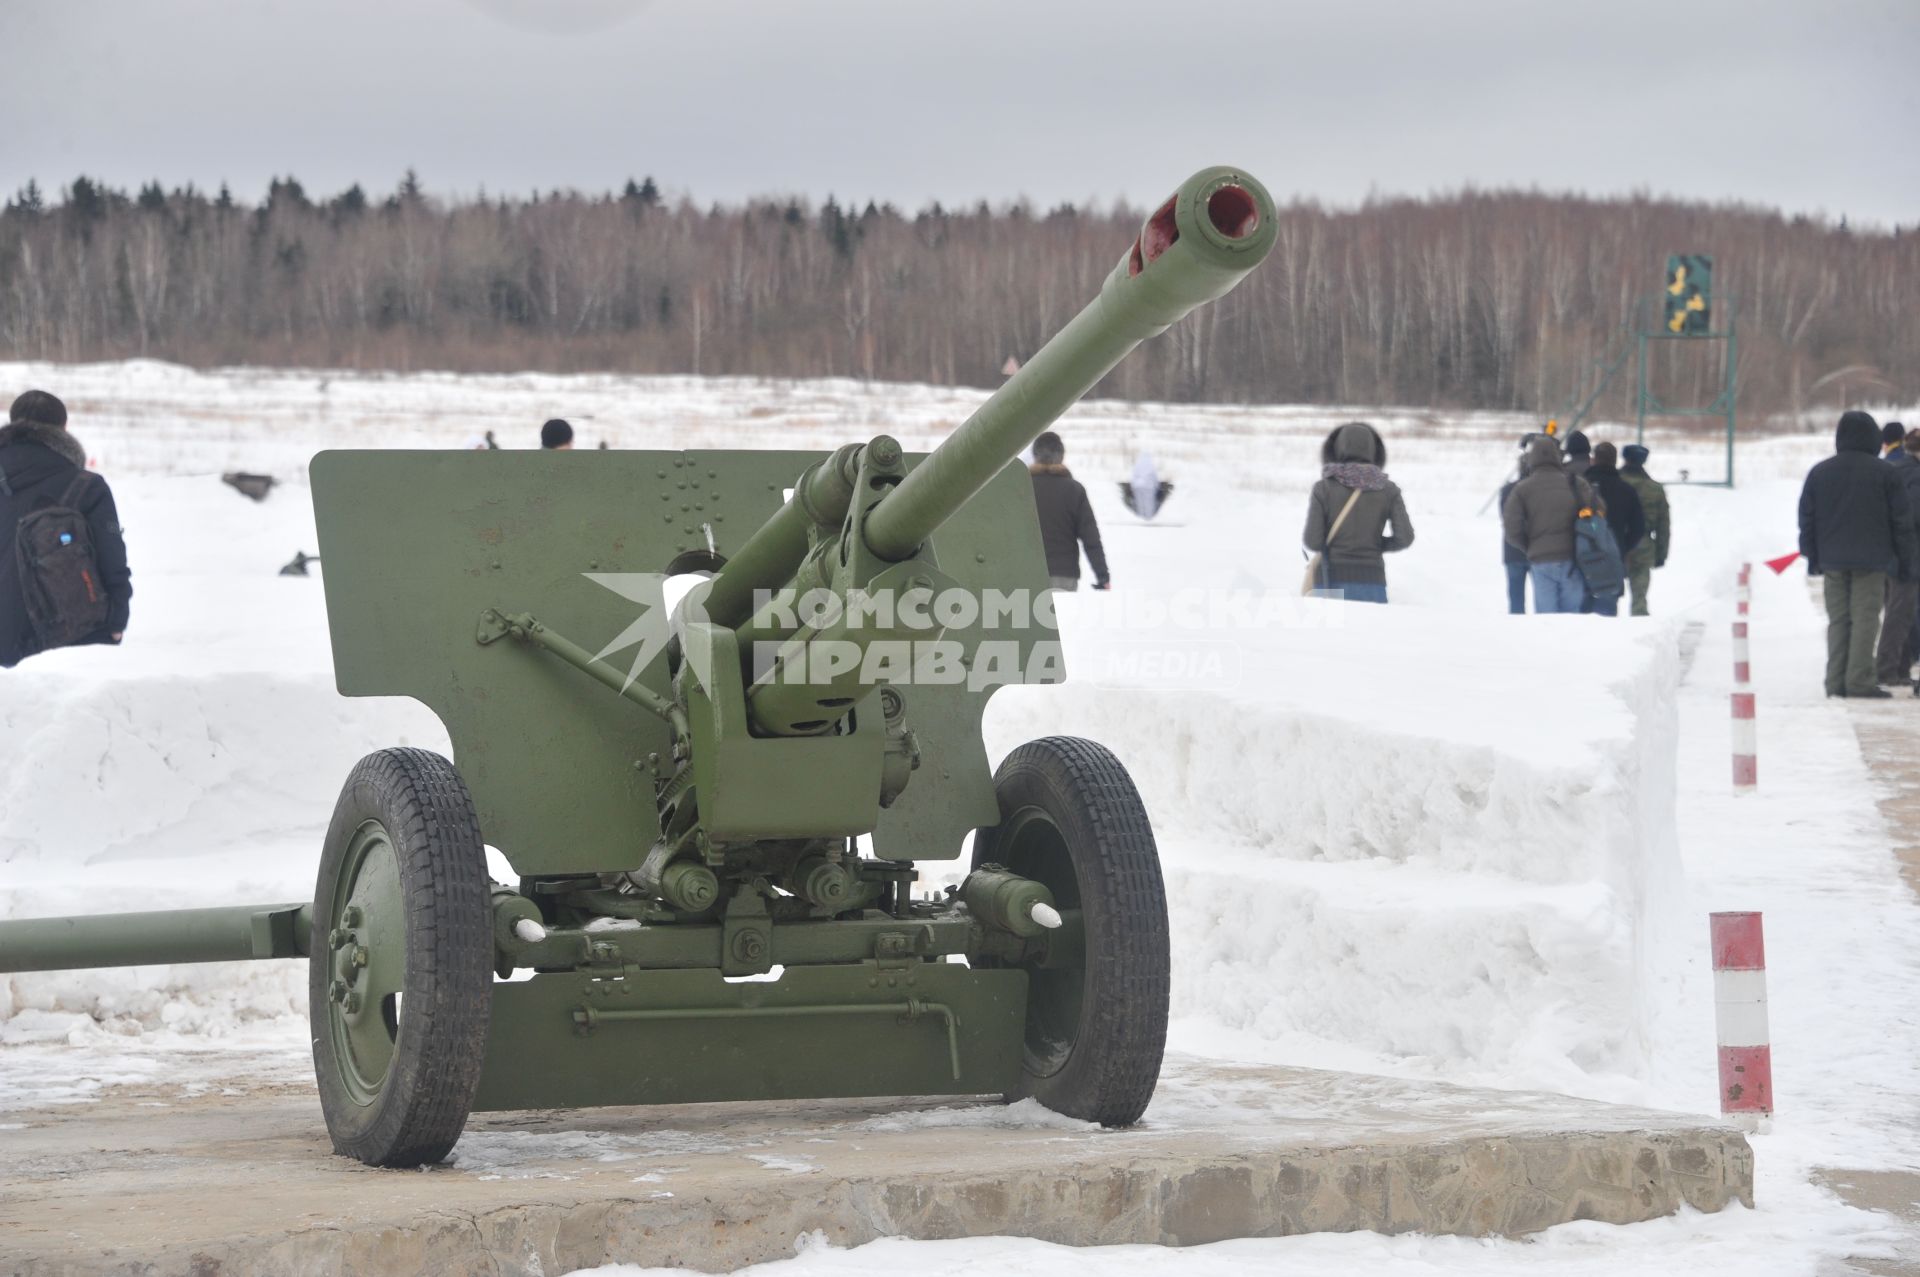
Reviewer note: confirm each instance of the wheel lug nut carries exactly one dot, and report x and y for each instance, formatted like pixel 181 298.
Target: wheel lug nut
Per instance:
pixel 359 955
pixel 339 990
pixel 350 1003
pixel 351 915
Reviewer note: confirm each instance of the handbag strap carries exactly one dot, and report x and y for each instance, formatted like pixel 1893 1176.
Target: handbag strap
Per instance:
pixel 1341 518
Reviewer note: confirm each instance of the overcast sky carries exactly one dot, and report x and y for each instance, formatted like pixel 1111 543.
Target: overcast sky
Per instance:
pixel 1811 106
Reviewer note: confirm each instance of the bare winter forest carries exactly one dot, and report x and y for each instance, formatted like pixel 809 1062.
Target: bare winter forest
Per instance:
pixel 1494 299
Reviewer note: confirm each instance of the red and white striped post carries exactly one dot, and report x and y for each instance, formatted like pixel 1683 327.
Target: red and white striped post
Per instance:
pixel 1746 743
pixel 1740 1015
pixel 1746 735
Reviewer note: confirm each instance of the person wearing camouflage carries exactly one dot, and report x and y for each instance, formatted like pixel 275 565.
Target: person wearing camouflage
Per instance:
pixel 1651 553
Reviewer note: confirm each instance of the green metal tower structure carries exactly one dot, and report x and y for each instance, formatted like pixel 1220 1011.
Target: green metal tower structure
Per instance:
pixel 1686 306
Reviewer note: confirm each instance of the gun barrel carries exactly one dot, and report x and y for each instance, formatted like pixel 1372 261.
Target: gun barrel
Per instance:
pixel 232 934
pixel 1204 240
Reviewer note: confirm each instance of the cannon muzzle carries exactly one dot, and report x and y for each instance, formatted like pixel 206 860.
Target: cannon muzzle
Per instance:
pixel 1204 240
pixel 1217 227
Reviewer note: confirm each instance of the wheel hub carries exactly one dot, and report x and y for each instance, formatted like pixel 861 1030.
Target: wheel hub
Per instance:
pixel 367 942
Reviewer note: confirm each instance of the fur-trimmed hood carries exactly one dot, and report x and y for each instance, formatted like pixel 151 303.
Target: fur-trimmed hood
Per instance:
pixel 52 438
pixel 1050 467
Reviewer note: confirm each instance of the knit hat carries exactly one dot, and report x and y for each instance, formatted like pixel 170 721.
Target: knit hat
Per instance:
pixel 1891 433
pixel 1635 453
pixel 37 407
pixel 1577 445
pixel 555 434
pixel 1606 456
pixel 1048 450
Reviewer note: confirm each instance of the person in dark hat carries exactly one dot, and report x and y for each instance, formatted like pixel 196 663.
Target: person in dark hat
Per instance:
pixel 556 435
pixel 1579 454
pixel 1855 522
pixel 1651 553
pixel 81 587
pixel 1892 436
pixel 1625 517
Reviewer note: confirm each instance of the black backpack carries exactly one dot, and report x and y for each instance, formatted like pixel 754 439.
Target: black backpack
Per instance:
pixel 1595 552
pixel 59 572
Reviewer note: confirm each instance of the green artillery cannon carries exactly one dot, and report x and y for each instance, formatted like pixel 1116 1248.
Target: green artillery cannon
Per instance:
pixel 715 810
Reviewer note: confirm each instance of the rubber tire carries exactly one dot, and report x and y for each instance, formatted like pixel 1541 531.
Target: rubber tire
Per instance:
pixel 428 817
pixel 1113 1062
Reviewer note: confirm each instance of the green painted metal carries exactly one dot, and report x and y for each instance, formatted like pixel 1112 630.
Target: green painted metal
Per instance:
pixel 683 1037
pixel 232 934
pixel 1693 328
pixel 1687 302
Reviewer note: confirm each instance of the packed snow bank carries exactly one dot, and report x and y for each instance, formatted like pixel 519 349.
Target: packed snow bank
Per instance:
pixel 1469 880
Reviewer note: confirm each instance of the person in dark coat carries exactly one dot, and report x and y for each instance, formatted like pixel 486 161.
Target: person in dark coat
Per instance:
pixel 1855 525
pixel 1066 517
pixel 1579 454
pixel 40 464
pixel 1651 553
pixel 1352 559
pixel 1893 664
pixel 1511 555
pixel 1892 436
pixel 1537 519
pixel 1626 518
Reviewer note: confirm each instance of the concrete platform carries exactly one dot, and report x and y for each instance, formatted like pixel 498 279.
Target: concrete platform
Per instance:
pixel 157 1178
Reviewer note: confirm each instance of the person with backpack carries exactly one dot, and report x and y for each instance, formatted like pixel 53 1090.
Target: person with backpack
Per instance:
pixel 64 580
pixel 1625 520
pixel 1539 518
pixel 1349 513
pixel 1855 525
pixel 1651 554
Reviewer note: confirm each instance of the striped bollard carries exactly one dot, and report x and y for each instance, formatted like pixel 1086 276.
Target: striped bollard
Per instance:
pixel 1742 661
pixel 1740 1015
pixel 1743 589
pixel 1746 743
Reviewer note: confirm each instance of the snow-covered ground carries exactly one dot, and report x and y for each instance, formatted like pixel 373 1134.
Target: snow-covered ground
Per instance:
pixel 1427 840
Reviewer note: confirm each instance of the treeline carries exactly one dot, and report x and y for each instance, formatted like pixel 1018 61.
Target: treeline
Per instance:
pixel 1475 299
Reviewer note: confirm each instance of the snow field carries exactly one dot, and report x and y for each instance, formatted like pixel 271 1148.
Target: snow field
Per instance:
pixel 1427 839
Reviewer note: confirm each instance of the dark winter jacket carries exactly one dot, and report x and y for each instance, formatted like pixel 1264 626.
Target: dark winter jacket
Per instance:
pixel 1067 524
pixel 1907 466
pixel 1351 461
pixel 37 463
pixel 1510 553
pixel 1624 513
pixel 1653 500
pixel 1854 511
pixel 1539 512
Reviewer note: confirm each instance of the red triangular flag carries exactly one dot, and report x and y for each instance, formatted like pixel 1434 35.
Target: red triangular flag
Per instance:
pixel 1782 563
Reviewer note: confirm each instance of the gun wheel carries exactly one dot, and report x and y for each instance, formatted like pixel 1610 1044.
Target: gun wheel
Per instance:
pixel 400 977
pixel 1097 1003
